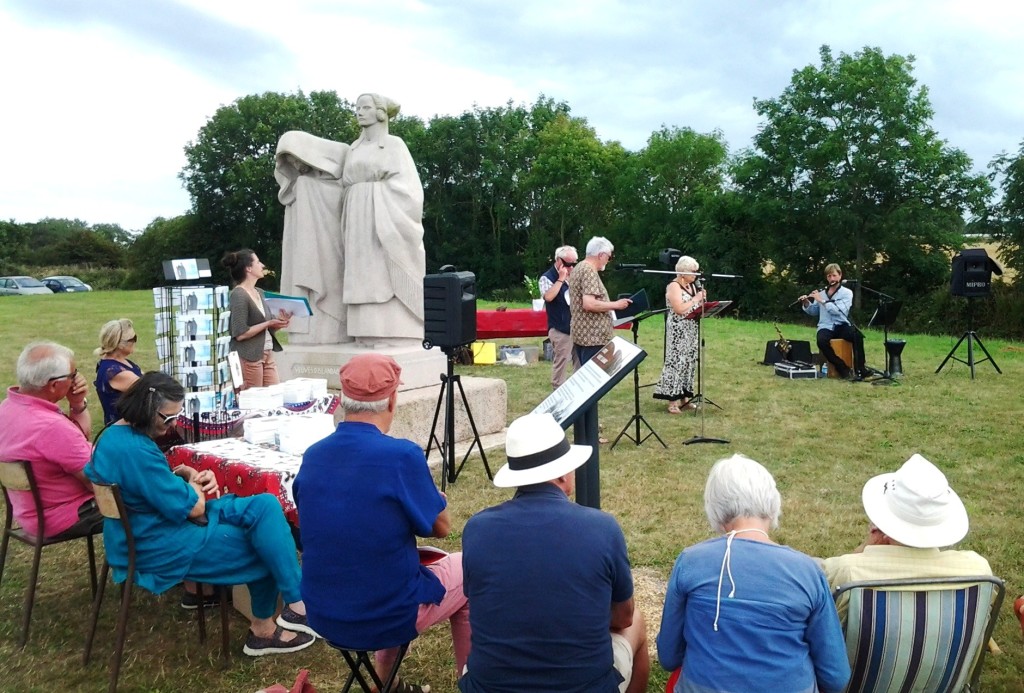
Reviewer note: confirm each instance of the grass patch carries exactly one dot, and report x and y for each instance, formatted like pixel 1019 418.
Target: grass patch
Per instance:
pixel 821 439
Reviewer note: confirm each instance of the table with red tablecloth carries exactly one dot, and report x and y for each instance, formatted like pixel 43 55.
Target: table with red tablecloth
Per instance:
pixel 516 322
pixel 243 468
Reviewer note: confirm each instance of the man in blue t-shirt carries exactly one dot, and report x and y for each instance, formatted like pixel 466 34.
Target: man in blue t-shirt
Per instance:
pixel 549 580
pixel 554 288
pixel 362 498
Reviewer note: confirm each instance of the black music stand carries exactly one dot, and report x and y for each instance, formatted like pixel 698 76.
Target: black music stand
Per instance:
pixel 971 336
pixel 704 311
pixel 637 417
pixel 446 446
pixel 884 316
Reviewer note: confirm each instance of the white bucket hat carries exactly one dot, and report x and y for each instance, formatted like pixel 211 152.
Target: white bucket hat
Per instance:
pixel 915 505
pixel 538 451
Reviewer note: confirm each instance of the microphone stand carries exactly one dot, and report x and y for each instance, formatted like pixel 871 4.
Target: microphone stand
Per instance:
pixel 700 397
pixel 637 417
pixel 886 318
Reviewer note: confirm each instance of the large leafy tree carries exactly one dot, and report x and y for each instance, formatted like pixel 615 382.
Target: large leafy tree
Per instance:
pixel 1008 213
pixel 858 175
pixel 230 168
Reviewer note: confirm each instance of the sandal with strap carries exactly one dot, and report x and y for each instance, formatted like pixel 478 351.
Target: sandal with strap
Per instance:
pixel 674 409
pixel 406 687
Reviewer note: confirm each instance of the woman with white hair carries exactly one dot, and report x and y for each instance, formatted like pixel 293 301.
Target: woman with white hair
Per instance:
pixel 743 613
pixel 683 295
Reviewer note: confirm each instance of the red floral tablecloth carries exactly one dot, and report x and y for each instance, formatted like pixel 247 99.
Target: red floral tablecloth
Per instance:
pixel 243 468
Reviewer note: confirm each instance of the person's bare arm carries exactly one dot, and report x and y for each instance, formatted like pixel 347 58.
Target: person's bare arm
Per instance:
pixel 592 304
pixel 622 614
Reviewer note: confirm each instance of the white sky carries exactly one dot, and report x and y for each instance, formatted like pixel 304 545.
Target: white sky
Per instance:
pixel 99 97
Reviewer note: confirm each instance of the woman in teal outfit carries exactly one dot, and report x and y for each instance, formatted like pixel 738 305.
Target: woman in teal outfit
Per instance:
pixel 180 534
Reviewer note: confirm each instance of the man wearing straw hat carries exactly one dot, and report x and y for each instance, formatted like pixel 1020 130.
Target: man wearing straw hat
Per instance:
pixel 546 578
pixel 912 513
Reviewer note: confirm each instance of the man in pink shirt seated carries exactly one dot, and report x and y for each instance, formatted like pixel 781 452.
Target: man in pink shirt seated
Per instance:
pixel 34 428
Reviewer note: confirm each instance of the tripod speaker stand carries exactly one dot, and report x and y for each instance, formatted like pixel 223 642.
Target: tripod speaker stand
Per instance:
pixel 971 336
pixel 637 417
pixel 446 446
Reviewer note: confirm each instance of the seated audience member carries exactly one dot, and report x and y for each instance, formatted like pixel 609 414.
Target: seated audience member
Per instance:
pixel 549 581
pixel 743 613
pixel 363 497
pixel 33 428
pixel 179 533
pixel 911 514
pixel 115 372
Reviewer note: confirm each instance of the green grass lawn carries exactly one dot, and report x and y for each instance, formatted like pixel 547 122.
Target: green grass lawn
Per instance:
pixel 821 439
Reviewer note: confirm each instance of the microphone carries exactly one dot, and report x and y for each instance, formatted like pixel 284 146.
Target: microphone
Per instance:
pixel 634 267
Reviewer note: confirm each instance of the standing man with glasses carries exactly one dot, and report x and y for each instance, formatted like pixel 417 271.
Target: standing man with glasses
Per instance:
pixel 34 428
pixel 589 306
pixel 554 287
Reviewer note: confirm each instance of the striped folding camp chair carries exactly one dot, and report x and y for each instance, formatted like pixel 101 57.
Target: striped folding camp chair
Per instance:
pixel 919 635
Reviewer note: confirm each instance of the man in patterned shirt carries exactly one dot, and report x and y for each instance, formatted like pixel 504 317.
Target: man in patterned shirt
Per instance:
pixel 590 309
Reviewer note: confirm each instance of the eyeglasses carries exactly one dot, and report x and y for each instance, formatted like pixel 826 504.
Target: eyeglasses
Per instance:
pixel 168 419
pixel 69 376
pixel 134 339
pixel 568 264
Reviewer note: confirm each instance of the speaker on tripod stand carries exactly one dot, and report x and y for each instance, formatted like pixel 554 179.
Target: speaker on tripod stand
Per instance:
pixel 449 322
pixel 972 278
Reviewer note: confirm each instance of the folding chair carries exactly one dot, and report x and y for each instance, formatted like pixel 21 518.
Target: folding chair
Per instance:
pixel 108 498
pixel 360 659
pixel 919 634
pixel 17 476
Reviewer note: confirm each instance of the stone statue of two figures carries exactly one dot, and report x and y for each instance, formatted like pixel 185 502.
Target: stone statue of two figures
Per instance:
pixel 353 233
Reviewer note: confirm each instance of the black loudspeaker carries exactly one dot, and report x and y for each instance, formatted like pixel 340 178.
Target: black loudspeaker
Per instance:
pixel 449 309
pixel 972 273
pixel 798 351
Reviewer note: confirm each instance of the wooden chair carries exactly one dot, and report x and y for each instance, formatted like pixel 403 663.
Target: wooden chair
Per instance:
pixel 108 498
pixel 919 635
pixel 359 660
pixel 17 476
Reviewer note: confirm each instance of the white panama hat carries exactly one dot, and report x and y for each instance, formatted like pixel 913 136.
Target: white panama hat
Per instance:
pixel 538 451
pixel 915 505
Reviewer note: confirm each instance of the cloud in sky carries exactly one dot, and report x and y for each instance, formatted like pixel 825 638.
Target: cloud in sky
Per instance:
pixel 103 95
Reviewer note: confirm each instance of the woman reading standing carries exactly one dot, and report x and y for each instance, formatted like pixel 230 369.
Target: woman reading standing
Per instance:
pixel 115 372
pixel 682 296
pixel 252 325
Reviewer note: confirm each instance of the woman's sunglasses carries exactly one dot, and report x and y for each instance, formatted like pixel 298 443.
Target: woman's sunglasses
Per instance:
pixel 169 419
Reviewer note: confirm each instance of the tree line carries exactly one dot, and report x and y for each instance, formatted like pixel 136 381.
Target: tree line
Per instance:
pixel 846 167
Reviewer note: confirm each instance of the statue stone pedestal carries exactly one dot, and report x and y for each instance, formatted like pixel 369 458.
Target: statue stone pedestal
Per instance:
pixel 417 396
pixel 420 367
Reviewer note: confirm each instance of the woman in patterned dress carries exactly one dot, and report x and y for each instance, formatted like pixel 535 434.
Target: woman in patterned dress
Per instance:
pixel 682 296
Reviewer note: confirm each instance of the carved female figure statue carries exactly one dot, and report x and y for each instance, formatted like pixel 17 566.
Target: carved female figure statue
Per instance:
pixel 382 230
pixel 309 169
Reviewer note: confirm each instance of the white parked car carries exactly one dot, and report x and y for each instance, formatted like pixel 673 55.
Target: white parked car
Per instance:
pixel 20 286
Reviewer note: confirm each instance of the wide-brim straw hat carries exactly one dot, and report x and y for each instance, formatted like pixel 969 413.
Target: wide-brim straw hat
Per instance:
pixel 915 505
pixel 538 451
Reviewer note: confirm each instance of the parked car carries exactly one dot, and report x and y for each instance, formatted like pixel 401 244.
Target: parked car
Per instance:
pixel 20 286
pixel 64 284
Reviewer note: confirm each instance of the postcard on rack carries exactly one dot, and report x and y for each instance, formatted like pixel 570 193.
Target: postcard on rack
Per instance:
pixel 639 304
pixel 295 306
